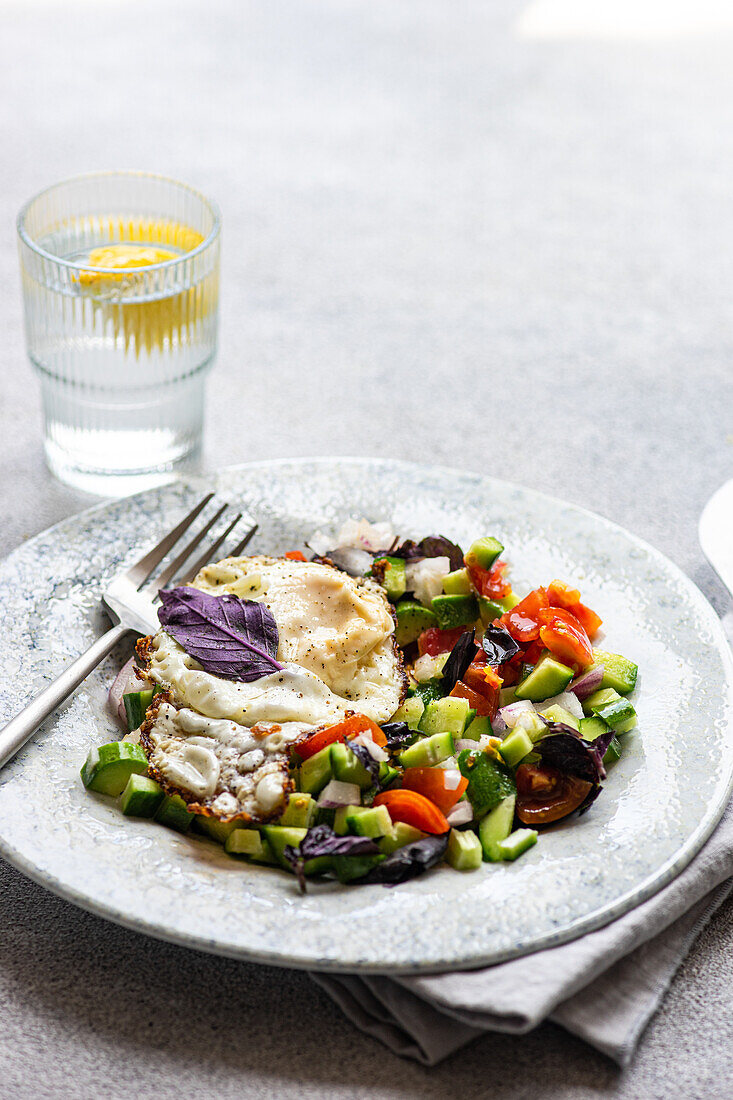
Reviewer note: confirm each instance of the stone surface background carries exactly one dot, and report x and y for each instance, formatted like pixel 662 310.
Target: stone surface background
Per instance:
pixel 445 240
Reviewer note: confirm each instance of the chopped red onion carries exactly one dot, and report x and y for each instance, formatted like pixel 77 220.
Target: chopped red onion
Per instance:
pixel 352 561
pixel 451 779
pixel 498 724
pixel 467 743
pixel 510 714
pixel 125 681
pixel 566 700
pixel 588 682
pixel 461 814
pixel 336 793
pixel 375 751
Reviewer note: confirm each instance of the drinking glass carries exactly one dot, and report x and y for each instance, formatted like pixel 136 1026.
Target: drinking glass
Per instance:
pixel 120 276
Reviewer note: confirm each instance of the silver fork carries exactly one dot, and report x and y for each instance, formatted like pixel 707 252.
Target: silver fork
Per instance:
pixel 130 603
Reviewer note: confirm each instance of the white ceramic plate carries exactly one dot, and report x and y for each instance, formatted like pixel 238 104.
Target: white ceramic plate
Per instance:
pixel 659 804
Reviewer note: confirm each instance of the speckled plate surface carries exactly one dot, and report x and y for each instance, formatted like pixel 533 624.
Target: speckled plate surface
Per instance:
pixel 660 803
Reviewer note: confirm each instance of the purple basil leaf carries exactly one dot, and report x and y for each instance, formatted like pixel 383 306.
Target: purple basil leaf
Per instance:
pixel 570 754
pixel 498 644
pixel 398 734
pixel 460 658
pixel 433 546
pixel 229 637
pixel 408 862
pixel 322 841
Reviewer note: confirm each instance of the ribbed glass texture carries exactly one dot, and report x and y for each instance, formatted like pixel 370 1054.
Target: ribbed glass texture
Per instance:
pixel 120 275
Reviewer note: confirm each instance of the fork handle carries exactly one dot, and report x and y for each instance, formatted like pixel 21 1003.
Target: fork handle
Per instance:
pixel 21 728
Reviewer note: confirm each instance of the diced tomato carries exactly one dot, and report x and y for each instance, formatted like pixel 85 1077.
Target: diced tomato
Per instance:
pixel 479 702
pixel 350 727
pixel 430 782
pixel 414 809
pixel 296 555
pixel 560 595
pixel 565 637
pixel 434 640
pixel 490 582
pixel 480 685
pixel 522 622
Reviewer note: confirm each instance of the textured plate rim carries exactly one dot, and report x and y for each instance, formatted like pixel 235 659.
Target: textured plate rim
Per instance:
pixel 624 903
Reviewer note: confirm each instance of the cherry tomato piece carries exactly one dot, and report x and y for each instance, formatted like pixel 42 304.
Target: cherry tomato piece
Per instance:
pixel 431 782
pixel 545 794
pixel 350 727
pixel 414 809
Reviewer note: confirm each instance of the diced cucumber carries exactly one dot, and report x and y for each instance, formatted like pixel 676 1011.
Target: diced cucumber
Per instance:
pixel 108 768
pixel 215 829
pixel 399 835
pixel 484 552
pixel 279 836
pixel 453 611
pixel 509 602
pixel 515 746
pixel 516 843
pixel 250 843
pixel 464 850
pixel 590 728
pixel 616 711
pixel 136 703
pixel 489 610
pixel 496 826
pixel 479 727
pixel 387 774
pixel 141 797
pixel 556 713
pixel 457 583
pixel 412 619
pixel 347 767
pixel 429 691
pixel 613 752
pixel 340 826
pixel 410 711
pixel 348 868
pixel 549 677
pixel 315 772
pixel 489 780
pixel 300 811
pixel 173 812
pixel 450 714
pixel 391 574
pixel 372 822
pixel 428 751
pixel 618 672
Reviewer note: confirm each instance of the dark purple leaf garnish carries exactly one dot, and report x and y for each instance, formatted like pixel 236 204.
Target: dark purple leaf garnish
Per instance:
pixel 408 862
pixel 433 546
pixel 498 644
pixel 460 658
pixel 563 748
pixel 229 637
pixel 322 841
pixel 398 734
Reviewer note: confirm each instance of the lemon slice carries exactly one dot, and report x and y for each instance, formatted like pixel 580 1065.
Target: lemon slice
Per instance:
pixel 122 257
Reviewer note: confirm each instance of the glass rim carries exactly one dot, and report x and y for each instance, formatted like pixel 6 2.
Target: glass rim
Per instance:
pixel 130 173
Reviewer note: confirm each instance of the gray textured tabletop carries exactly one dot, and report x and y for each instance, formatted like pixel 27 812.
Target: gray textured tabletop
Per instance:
pixel 448 236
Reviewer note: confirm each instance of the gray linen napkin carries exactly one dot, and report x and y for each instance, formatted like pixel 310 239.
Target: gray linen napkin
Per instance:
pixel 603 987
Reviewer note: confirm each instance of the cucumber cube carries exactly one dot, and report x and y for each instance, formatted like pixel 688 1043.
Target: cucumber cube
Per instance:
pixel 599 699
pixel 508 602
pixel 478 728
pixel 453 611
pixel 590 728
pixel 618 672
pixel 489 610
pixel 515 747
pixel 215 829
pixel 411 711
pixel 391 574
pixel 451 714
pixel 464 850
pixel 373 822
pixel 250 843
pixel 278 837
pixel 347 767
pixel 348 868
pixel 619 715
pixel 399 835
pixel 516 843
pixel 300 810
pixel 141 797
pixel 173 812
pixel 136 703
pixel 556 713
pixel 496 826
pixel 457 583
pixel 549 677
pixel 484 552
pixel 613 752
pixel 108 768
pixel 412 619
pixel 428 751
pixel 340 825
pixel 315 772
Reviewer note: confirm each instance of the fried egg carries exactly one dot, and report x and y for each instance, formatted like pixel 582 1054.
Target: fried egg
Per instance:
pixel 337 648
